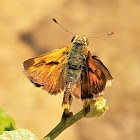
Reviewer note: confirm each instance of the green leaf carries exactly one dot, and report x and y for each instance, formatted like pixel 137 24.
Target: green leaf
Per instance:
pixel 6 122
pixel 18 134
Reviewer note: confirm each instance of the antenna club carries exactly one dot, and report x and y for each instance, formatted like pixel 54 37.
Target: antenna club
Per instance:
pixel 55 20
pixel 111 33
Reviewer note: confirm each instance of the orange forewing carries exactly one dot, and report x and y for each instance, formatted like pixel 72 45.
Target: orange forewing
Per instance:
pixel 103 69
pixel 48 70
pixel 96 77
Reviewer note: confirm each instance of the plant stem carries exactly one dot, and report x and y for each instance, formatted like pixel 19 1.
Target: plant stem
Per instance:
pixel 91 108
pixel 64 123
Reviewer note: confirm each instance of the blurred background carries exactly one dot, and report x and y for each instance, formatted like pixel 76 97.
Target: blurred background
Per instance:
pixel 26 30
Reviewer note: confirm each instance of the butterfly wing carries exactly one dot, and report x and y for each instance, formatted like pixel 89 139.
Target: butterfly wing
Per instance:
pixel 94 77
pixel 102 67
pixel 48 71
pixel 85 84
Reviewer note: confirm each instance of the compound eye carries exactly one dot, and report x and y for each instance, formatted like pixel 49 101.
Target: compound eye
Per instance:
pixel 72 39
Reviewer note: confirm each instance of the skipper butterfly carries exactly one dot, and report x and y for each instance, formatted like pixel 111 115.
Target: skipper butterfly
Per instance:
pixel 71 70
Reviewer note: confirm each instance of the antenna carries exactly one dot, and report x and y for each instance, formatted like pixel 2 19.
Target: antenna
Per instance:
pixel 62 26
pixel 103 35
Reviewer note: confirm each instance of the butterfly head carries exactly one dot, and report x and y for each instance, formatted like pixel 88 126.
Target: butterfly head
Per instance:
pixel 80 40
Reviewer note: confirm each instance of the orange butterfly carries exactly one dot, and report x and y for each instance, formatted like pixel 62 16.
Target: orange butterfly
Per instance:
pixel 71 70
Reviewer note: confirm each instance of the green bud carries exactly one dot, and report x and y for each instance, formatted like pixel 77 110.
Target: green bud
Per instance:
pixel 95 107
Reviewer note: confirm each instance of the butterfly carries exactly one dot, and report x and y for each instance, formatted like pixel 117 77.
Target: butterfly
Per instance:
pixel 71 70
